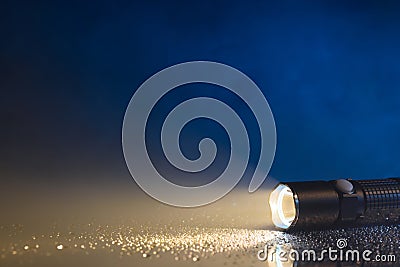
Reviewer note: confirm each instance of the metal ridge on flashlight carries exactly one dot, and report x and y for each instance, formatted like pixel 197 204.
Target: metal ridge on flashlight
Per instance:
pixel 336 203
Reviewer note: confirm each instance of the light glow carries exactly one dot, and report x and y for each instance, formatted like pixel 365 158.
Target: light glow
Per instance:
pixel 282 206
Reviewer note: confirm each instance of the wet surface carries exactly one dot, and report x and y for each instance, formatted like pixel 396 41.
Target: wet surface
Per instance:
pixel 128 229
pixel 188 245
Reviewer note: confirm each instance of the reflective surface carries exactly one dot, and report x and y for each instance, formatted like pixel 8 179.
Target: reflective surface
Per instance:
pixel 124 227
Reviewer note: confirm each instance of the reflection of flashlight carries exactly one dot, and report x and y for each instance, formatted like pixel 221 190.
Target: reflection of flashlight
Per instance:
pixel 339 203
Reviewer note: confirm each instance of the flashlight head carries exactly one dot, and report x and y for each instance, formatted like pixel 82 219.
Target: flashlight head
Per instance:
pixel 283 206
pixel 300 205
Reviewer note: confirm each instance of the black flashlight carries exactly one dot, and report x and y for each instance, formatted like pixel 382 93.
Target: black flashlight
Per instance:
pixel 337 203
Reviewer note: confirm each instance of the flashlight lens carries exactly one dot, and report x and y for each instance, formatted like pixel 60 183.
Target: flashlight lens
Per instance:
pixel 282 206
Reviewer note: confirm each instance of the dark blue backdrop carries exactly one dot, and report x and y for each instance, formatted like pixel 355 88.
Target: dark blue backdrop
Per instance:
pixel 329 69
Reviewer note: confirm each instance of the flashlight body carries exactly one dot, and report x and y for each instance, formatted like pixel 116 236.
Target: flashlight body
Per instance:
pixel 345 203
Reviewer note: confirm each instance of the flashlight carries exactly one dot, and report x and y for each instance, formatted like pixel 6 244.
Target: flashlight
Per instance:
pixel 337 203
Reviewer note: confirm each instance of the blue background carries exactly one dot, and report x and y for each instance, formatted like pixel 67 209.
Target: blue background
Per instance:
pixel 329 69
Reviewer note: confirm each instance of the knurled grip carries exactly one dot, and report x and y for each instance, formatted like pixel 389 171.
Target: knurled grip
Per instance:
pixel 381 194
pixel 381 201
